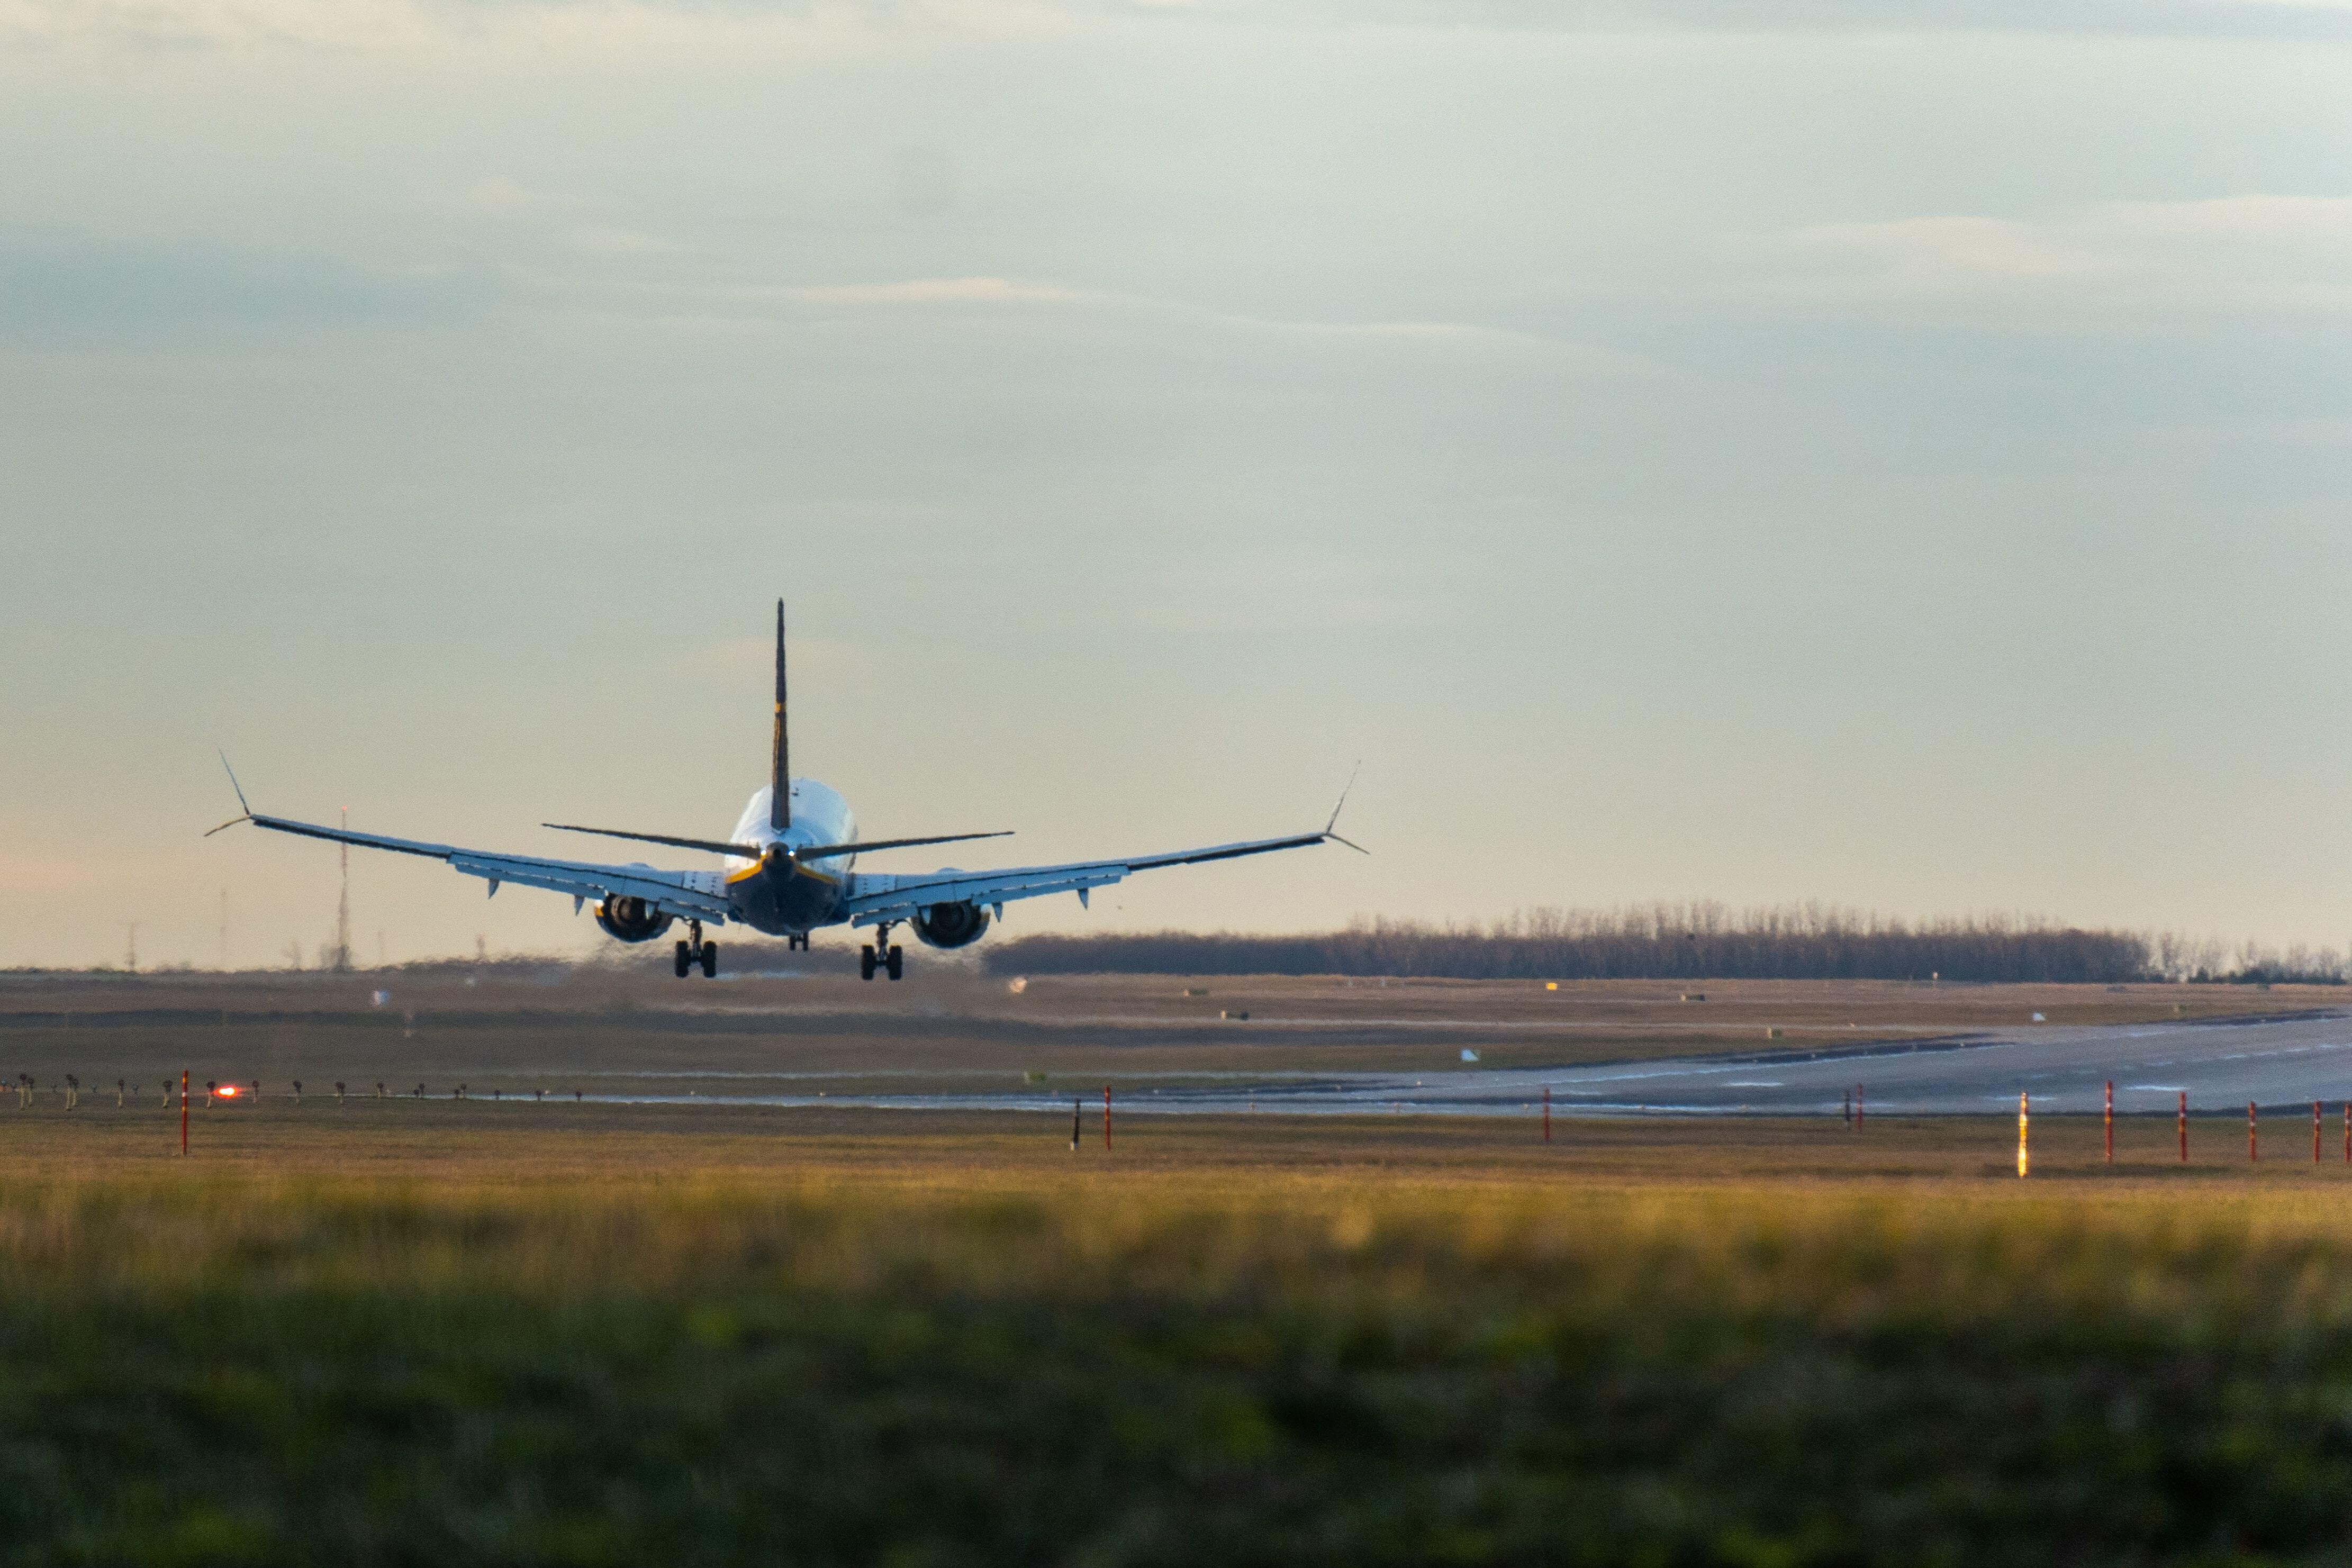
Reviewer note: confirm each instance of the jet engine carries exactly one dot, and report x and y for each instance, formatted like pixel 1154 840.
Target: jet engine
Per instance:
pixel 950 924
pixel 631 919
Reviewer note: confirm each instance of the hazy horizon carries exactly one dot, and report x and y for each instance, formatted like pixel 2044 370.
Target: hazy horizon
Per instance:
pixel 1764 453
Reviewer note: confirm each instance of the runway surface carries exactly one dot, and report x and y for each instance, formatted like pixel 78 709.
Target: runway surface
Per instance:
pixel 2276 1062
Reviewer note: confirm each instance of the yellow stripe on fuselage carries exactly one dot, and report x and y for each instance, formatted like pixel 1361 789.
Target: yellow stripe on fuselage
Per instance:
pixel 749 872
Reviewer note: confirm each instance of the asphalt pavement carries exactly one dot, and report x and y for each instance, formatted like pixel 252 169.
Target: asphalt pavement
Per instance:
pixel 2276 1062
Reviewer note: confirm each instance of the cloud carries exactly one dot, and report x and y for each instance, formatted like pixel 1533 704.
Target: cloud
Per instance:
pixel 381 24
pixel 926 291
pixel 75 288
pixel 345 23
pixel 991 292
pixel 2114 263
pixel 607 241
pixel 497 197
pixel 2138 18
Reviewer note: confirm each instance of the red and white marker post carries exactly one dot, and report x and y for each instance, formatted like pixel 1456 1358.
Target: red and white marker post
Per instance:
pixel 2111 1121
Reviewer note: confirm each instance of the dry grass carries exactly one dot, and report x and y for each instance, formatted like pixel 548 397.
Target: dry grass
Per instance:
pixel 464 1333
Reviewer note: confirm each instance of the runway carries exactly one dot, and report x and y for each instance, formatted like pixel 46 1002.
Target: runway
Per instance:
pixel 2278 1062
pixel 2285 1062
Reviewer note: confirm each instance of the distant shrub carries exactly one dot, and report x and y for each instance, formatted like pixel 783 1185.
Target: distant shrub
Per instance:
pixel 1699 941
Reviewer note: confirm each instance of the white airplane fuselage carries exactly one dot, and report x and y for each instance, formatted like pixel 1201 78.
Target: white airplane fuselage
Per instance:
pixel 778 895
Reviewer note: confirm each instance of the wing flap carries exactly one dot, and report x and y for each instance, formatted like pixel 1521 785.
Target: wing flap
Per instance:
pixel 700 894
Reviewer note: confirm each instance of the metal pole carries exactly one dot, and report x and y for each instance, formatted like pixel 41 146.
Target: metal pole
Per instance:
pixel 2315 1132
pixel 2111 1121
pixel 183 1111
pixel 1074 1124
pixel 2021 1137
pixel 2184 1126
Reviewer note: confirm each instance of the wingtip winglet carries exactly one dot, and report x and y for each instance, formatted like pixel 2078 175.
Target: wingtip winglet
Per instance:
pixel 234 785
pixel 244 812
pixel 1342 802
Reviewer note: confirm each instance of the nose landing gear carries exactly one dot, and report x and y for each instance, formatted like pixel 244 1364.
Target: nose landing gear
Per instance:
pixel 880 955
pixel 695 952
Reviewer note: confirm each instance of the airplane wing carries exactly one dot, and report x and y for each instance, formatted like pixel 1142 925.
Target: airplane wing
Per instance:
pixel 694 894
pixel 878 898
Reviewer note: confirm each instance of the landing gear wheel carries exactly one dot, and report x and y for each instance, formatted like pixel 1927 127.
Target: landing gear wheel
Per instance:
pixel 685 960
pixel 897 962
pixel 865 963
pixel 710 960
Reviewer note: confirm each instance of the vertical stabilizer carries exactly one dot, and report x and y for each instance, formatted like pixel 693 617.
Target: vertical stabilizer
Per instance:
pixel 780 769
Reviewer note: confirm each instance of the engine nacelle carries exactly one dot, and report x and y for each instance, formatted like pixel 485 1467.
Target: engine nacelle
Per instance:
pixel 632 919
pixel 950 924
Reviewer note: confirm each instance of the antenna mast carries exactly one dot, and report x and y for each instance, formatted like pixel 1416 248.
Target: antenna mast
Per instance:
pixel 343 906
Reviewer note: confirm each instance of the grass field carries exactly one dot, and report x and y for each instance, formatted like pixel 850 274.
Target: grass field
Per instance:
pixel 459 1333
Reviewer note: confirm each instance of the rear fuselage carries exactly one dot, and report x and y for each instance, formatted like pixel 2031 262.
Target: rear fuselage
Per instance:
pixel 776 894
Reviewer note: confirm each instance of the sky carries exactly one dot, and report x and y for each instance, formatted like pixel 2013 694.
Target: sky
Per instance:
pixel 1896 455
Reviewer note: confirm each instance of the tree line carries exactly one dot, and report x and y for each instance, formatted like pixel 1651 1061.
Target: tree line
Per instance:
pixel 1693 941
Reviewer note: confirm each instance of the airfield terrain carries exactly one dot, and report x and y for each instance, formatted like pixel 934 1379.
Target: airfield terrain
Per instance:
pixel 702 1330
pixel 946 1034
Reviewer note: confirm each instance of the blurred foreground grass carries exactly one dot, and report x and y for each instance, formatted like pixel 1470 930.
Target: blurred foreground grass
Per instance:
pixel 976 1348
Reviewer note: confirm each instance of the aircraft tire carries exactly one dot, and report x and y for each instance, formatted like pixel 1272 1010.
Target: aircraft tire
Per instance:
pixel 897 962
pixel 866 962
pixel 710 960
pixel 685 961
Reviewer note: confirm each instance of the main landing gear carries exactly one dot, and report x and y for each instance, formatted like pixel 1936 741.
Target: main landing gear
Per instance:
pixel 880 955
pixel 697 952
pixel 796 941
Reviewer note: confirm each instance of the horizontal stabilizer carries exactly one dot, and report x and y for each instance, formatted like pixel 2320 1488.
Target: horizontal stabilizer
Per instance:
pixel 748 852
pixel 755 851
pixel 819 851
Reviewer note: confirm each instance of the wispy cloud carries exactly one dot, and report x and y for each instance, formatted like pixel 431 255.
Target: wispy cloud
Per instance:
pixel 604 240
pixel 2112 263
pixel 495 197
pixel 924 291
pixel 992 292
pixel 366 23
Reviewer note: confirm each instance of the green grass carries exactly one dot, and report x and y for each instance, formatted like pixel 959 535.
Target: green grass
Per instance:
pixel 919 1341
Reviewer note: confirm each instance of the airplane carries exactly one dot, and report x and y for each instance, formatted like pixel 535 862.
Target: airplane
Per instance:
pixel 788 870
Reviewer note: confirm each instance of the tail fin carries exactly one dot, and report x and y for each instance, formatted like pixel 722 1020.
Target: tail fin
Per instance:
pixel 779 770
